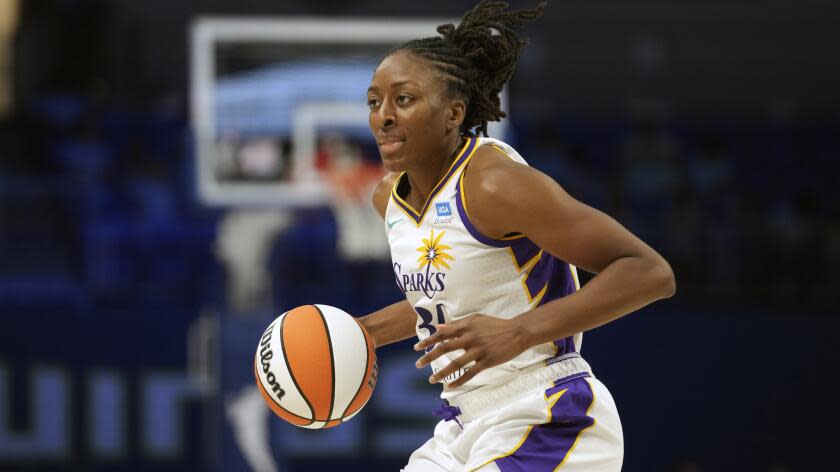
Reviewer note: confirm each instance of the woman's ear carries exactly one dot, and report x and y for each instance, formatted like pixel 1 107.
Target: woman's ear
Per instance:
pixel 455 114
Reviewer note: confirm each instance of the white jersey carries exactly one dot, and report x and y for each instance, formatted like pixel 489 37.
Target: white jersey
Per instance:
pixel 448 270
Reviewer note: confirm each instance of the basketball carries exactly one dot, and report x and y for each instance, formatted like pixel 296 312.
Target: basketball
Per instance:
pixel 315 366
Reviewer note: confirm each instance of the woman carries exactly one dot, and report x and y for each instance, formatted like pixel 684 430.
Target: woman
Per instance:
pixel 485 249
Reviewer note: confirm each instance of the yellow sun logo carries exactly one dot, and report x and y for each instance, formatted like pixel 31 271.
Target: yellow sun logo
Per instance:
pixel 433 252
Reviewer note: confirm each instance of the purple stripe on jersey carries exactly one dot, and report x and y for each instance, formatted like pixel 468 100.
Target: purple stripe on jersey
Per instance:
pixel 557 273
pixel 523 251
pixel 560 283
pixel 546 270
pixel 547 445
pixel 565 345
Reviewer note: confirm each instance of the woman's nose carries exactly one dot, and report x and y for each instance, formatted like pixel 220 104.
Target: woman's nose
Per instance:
pixel 387 118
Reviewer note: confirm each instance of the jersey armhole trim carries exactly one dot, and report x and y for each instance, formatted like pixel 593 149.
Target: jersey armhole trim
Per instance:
pixel 509 236
pixel 461 204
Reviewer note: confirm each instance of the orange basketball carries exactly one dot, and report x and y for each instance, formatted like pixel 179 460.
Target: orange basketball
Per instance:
pixel 315 366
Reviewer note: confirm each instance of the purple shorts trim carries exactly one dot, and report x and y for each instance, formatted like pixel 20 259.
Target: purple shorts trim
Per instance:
pixel 548 445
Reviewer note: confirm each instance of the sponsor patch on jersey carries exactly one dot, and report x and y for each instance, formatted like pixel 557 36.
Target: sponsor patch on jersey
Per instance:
pixel 443 209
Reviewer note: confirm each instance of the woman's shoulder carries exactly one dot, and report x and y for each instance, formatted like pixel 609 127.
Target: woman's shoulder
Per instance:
pixel 495 168
pixel 498 146
pixel 498 185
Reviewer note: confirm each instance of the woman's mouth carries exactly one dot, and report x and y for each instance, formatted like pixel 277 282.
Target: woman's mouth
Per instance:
pixel 390 146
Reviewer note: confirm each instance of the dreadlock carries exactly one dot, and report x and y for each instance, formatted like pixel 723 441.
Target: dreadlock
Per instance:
pixel 477 57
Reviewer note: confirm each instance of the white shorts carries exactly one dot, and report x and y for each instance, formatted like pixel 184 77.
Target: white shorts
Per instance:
pixel 571 426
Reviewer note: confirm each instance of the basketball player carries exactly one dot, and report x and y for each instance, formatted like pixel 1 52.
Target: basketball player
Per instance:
pixel 485 249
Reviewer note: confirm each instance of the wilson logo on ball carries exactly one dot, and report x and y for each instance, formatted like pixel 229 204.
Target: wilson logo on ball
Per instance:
pixel 265 356
pixel 323 359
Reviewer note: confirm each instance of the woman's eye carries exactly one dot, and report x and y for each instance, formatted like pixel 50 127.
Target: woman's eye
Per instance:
pixel 373 103
pixel 403 99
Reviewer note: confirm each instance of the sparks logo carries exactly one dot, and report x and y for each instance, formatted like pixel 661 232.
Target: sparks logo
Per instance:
pixel 433 252
pixel 433 255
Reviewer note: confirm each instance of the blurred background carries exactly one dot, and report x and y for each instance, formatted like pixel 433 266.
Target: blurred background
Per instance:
pixel 173 175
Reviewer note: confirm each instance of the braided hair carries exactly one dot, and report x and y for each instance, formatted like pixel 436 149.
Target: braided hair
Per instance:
pixel 477 57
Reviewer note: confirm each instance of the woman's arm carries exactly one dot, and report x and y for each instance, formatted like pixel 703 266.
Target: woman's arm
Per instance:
pixel 505 197
pixel 630 274
pixel 391 324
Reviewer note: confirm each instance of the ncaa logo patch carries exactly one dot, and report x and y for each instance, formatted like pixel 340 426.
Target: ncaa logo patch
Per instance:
pixel 443 209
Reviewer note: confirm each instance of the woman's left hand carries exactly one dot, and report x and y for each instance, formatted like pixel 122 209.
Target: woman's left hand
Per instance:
pixel 487 342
